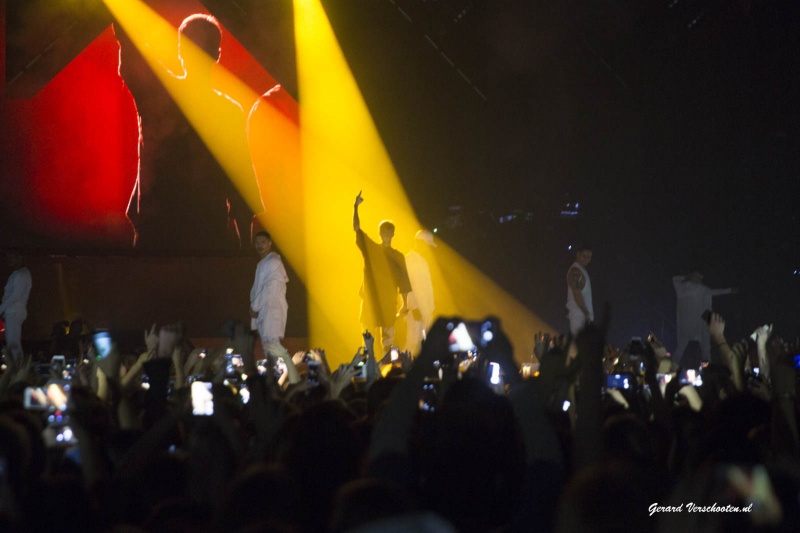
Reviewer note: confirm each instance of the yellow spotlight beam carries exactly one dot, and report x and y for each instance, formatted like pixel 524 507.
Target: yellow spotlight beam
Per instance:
pixel 342 154
pixel 156 40
pixel 310 177
pixel 220 125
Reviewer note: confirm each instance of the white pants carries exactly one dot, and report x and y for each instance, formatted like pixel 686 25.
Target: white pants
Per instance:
pixel 272 346
pixel 14 336
pixel 387 338
pixel 414 334
pixel 577 321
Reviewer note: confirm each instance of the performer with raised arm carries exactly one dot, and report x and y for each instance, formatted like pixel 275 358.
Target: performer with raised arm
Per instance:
pixel 385 275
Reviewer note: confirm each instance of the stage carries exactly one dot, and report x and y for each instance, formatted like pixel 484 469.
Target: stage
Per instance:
pixel 127 293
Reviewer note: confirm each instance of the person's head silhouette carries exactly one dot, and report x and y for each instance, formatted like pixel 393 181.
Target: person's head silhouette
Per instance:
pixel 205 32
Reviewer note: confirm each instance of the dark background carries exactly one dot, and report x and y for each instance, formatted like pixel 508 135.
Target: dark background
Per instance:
pixel 673 126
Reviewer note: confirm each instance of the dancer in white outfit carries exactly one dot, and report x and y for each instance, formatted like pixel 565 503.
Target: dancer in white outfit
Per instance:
pixel 268 306
pixel 579 291
pixel 14 308
pixel 420 299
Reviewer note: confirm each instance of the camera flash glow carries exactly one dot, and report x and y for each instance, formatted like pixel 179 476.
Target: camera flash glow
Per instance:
pixel 565 406
pixel 488 335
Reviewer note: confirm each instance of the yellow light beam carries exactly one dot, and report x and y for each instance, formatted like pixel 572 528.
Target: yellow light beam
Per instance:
pixel 342 154
pixel 206 101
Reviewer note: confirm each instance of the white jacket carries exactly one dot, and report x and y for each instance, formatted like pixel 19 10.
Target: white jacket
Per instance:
pixel 268 297
pixel 15 296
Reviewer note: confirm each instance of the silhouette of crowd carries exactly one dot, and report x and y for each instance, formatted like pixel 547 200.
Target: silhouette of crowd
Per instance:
pixel 458 437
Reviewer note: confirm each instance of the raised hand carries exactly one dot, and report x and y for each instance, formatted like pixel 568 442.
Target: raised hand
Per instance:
pixel 359 199
pixel 762 334
pixel 341 379
pixel 716 327
pixel 298 357
pixel 358 357
pixel 151 339
pixel 369 343
pixel 737 357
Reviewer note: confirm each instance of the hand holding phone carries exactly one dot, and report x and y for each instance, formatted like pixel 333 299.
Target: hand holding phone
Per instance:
pixel 619 381
pixel 460 339
pixel 313 372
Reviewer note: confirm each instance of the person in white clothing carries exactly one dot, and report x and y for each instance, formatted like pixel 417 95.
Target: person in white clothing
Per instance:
pixel 579 291
pixel 14 308
pixel 420 299
pixel 268 306
pixel 693 299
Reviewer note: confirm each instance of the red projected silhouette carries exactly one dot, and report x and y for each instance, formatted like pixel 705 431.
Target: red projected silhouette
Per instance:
pixel 182 197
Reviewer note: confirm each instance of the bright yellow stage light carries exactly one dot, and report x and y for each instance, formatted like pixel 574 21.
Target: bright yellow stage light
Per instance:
pixel 342 154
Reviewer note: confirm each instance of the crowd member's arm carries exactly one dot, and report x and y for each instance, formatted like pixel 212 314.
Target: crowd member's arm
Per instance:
pixel 320 355
pixel 371 361
pixel 179 357
pixel 292 372
pixel 88 421
pixel 17 371
pixel 716 328
pixel 589 425
pixel 392 429
pixel 785 434
pixel 151 442
pixel 499 350
pixel 131 377
pixel 545 469
pixel 194 361
pixel 265 410
pixel 692 397
pixel 108 373
pixel 323 377
pixel 654 353
pixel 342 378
pixel 762 334
pixel 345 373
